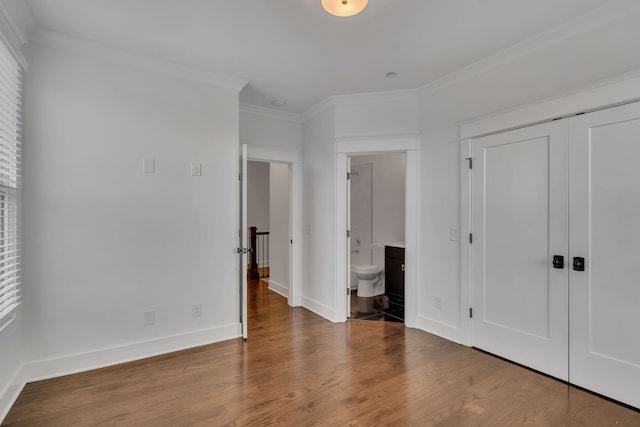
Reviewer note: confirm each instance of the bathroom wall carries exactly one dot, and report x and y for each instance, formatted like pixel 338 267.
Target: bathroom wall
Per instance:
pixel 361 217
pixel 388 201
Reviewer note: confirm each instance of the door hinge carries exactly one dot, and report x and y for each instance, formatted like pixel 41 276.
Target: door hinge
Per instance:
pixel 470 162
pixel 470 238
pixel 348 176
pixel 240 176
pixel 348 291
pixel 292 242
pixel 471 312
pixel 348 233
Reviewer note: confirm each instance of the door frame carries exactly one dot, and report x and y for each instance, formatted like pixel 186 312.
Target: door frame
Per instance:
pixel 260 154
pixel 372 145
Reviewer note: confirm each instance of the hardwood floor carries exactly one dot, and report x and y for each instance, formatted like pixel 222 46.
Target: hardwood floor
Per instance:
pixel 297 369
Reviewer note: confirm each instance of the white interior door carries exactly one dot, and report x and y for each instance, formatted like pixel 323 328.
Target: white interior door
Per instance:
pixel 605 231
pixel 519 222
pixel 243 240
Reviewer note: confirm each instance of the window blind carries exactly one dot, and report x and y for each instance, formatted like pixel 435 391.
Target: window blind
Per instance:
pixel 10 159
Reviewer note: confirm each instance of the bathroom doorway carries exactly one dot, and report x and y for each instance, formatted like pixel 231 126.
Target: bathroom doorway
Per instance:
pixel 376 208
pixel 350 147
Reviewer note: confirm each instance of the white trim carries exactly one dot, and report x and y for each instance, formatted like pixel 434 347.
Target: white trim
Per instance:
pixel 81 362
pixel 443 330
pixel 600 95
pixel 270 113
pixel 278 288
pixel 317 109
pixel 342 275
pixel 318 308
pixel 465 246
pixel 261 154
pixel 371 145
pixel 12 390
pixel 379 145
pixel 102 52
pixel 295 222
pixel 377 97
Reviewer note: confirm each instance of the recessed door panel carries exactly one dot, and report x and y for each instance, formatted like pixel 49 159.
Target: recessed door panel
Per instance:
pixel 519 202
pixel 605 230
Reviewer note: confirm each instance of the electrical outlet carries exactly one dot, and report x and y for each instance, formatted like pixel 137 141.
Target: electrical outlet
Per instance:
pixel 196 169
pixel 149 317
pixel 437 302
pixel 196 310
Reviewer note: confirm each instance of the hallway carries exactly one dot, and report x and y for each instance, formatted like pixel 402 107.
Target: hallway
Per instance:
pixel 297 369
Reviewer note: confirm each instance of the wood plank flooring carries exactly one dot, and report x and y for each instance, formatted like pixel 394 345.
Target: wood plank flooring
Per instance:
pixel 297 369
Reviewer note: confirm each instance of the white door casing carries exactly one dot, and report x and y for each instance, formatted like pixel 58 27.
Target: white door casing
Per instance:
pixel 519 221
pixel 243 241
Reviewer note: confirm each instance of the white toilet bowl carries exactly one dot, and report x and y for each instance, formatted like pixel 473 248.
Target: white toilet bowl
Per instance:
pixel 369 282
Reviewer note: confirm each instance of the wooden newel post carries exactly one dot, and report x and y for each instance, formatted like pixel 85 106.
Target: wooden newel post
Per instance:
pixel 253 268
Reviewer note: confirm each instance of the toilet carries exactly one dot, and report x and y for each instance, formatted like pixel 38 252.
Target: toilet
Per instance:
pixel 370 283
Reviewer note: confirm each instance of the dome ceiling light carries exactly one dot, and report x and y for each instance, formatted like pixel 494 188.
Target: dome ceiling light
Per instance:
pixel 344 8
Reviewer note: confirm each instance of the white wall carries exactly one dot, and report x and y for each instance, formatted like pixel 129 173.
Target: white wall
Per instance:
pixel 279 228
pixel 258 195
pixel 318 212
pixel 104 241
pixel 271 129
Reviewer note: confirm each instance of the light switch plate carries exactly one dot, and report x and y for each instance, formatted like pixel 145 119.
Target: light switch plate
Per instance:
pixel 454 235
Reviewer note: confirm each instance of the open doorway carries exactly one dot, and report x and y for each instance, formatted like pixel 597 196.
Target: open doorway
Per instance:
pixel 347 148
pixel 377 239
pixel 268 220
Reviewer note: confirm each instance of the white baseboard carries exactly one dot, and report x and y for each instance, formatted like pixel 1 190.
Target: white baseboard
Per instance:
pixel 278 288
pixel 10 394
pixel 74 363
pixel 443 330
pixel 318 308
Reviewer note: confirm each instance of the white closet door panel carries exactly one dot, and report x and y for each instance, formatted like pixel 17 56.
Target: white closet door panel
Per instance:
pixel 519 222
pixel 605 230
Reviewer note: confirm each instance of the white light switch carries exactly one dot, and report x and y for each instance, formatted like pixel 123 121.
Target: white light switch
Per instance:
pixel 196 169
pixel 454 236
pixel 196 310
pixel 148 165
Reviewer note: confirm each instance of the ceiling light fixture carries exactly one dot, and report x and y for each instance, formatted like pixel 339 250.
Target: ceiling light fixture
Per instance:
pixel 344 8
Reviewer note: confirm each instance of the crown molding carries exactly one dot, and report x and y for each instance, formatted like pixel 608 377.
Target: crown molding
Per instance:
pixel 583 23
pixel 100 52
pixel 270 113
pixel 13 35
pixel 377 97
pixel 318 108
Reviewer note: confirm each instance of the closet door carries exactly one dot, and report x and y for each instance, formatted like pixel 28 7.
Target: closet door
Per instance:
pixel 605 231
pixel 519 222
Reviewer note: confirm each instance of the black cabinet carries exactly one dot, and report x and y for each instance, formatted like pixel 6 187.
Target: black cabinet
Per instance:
pixel 394 279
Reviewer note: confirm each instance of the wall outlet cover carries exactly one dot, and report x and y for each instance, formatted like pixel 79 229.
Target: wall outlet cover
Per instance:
pixel 149 317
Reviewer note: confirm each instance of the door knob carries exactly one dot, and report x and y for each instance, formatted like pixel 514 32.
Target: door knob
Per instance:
pixel 578 263
pixel 558 261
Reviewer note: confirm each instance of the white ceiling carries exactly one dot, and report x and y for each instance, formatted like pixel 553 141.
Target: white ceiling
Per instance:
pixel 292 50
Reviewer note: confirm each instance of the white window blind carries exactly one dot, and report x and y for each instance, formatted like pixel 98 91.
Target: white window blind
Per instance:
pixel 10 128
